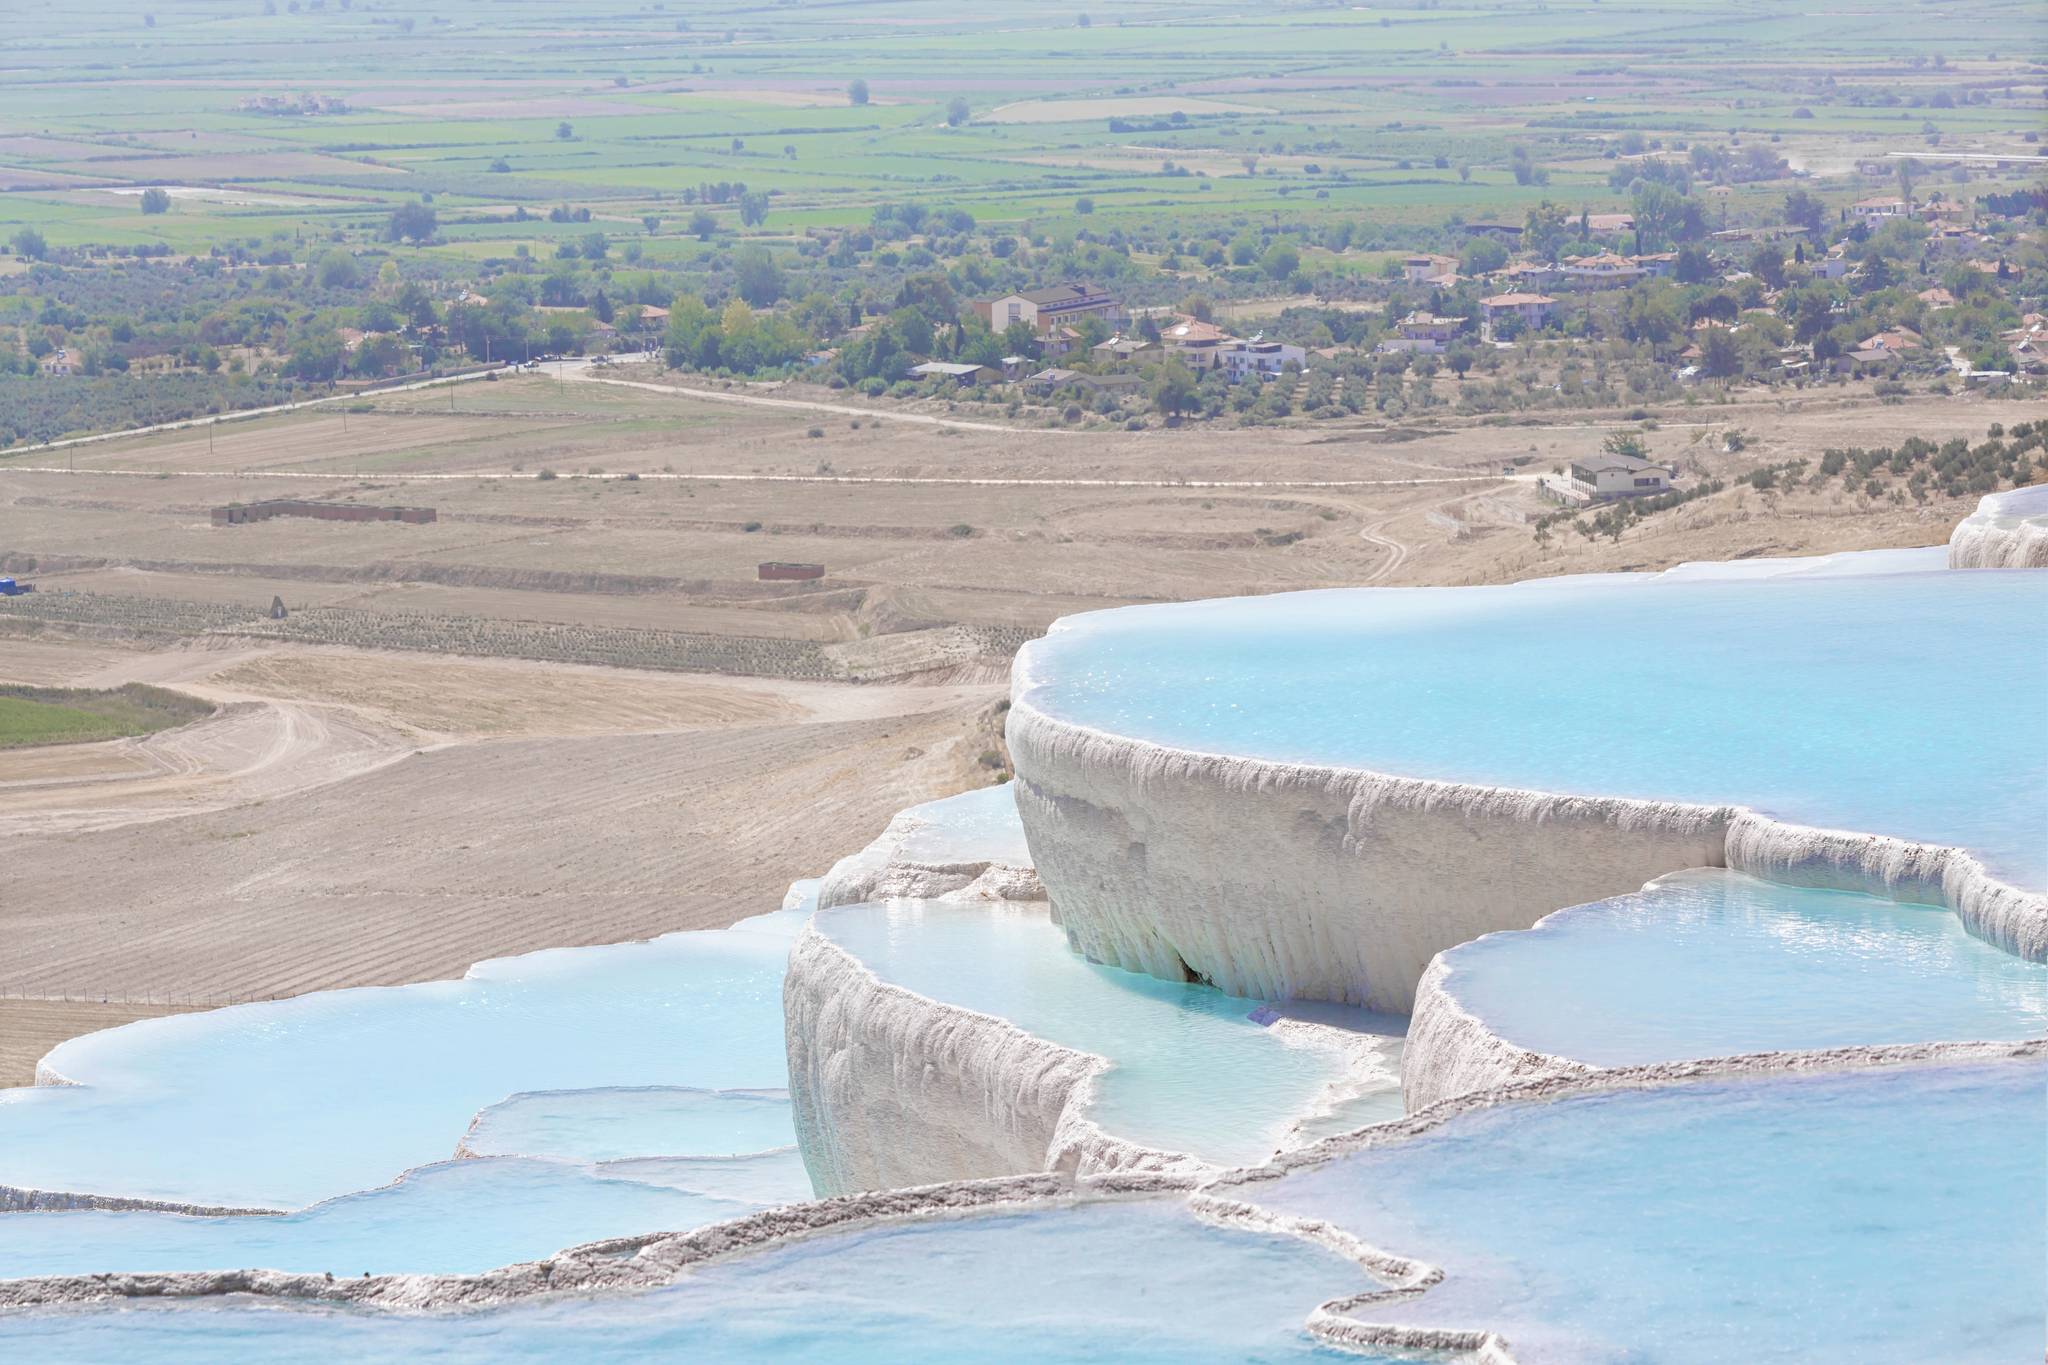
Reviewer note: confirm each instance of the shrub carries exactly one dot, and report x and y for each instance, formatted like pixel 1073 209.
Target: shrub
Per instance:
pixel 547 474
pixel 751 526
pixel 815 432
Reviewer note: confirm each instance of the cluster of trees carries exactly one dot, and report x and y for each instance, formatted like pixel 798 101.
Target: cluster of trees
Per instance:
pixel 34 412
pixel 734 338
pixel 1955 468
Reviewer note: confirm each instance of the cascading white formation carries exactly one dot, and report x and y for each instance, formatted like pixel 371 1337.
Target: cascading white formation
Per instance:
pixel 1296 880
pixel 1290 881
pixel 892 1085
pixel 2007 531
pixel 891 1089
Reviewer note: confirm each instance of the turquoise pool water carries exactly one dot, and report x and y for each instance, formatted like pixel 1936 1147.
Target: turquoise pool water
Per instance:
pixel 1874 1216
pixel 456 1217
pixel 1713 963
pixel 1193 1071
pixel 281 1105
pixel 611 1125
pixel 976 826
pixel 1901 703
pixel 1139 1283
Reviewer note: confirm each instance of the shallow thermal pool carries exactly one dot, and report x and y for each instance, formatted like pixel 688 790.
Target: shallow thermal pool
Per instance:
pixel 1875 1216
pixel 287 1104
pixel 1192 1070
pixel 1713 963
pixel 1133 1282
pixel 1888 703
pixel 975 826
pixel 458 1217
pixel 612 1125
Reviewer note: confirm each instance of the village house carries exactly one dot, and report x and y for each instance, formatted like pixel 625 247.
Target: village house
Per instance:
pixel 1044 309
pixel 1610 222
pixel 1261 358
pixel 1423 332
pixel 1427 269
pixel 1833 266
pixel 1894 339
pixel 2028 344
pixel 1052 380
pixel 1661 265
pixel 1060 341
pixel 1880 207
pixel 965 375
pixel 1528 275
pixel 1499 231
pixel 1532 311
pixel 1125 350
pixel 1196 344
pixel 1600 477
pixel 1605 271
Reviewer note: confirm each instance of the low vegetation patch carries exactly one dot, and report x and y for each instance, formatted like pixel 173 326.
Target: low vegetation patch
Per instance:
pixel 70 715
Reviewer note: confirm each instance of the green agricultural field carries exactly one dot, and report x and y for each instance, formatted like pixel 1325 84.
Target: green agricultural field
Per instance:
pixel 1308 108
pixel 62 715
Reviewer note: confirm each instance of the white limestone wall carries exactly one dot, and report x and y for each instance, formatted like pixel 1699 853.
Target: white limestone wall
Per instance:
pixel 1898 869
pixel 887 869
pixel 2007 531
pixel 1451 1052
pixel 1288 881
pixel 1291 881
pixel 891 1089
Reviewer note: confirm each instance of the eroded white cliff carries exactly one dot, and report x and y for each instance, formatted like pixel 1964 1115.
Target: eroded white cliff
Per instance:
pixel 1452 1052
pixel 893 1089
pixel 1898 869
pixel 964 847
pixel 2007 531
pixel 1289 881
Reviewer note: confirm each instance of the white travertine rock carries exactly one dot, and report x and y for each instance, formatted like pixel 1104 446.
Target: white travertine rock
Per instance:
pixel 2007 531
pixel 1450 1052
pixel 1291 881
pixel 1897 869
pixel 892 1089
pixel 1294 881
pixel 923 855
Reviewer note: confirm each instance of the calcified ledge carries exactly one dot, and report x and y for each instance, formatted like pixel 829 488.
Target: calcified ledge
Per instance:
pixel 1355 1321
pixel 1998 535
pixel 881 871
pixel 617 1264
pixel 1451 1052
pixel 891 1088
pixel 21 1199
pixel 1300 881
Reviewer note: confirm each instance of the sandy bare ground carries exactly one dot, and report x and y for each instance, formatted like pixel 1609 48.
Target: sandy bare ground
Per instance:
pixel 295 718
pixel 361 818
pixel 463 852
